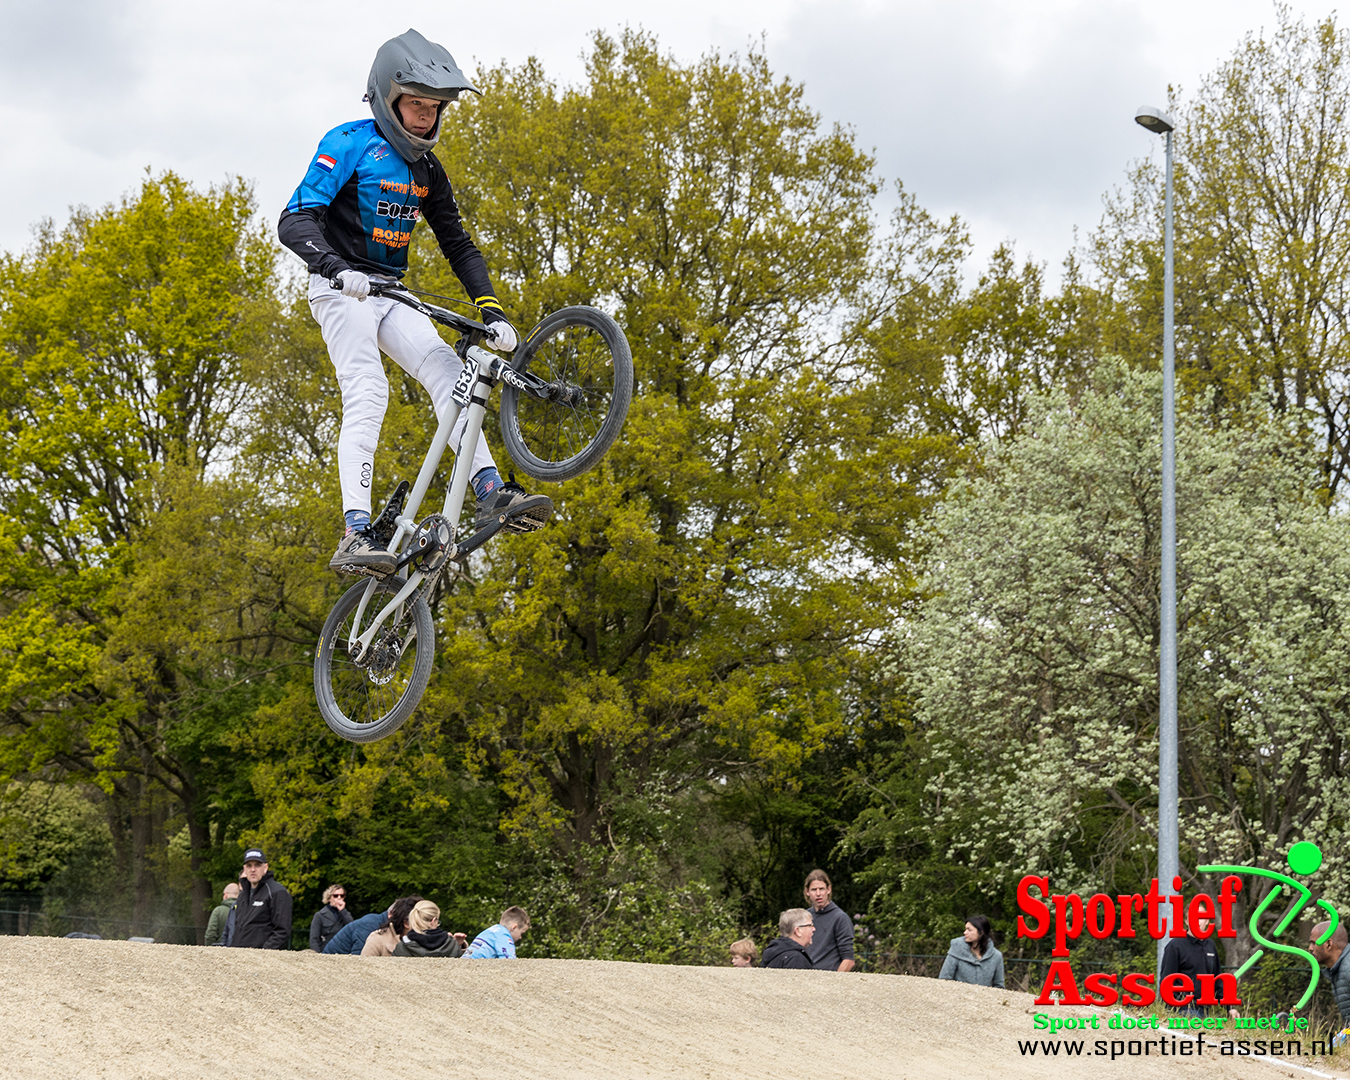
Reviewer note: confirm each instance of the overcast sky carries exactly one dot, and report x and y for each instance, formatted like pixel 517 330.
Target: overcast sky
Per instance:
pixel 1018 117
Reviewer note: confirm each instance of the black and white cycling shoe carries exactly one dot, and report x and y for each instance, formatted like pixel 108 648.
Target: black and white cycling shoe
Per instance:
pixel 522 511
pixel 359 553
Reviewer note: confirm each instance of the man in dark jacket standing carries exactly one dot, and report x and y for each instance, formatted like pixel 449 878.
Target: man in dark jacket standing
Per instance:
pixel 262 916
pixel 1192 956
pixel 789 951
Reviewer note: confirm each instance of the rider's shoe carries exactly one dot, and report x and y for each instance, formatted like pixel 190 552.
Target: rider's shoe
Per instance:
pixel 359 553
pixel 523 512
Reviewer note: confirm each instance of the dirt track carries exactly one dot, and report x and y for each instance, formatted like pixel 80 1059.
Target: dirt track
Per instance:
pixel 74 1010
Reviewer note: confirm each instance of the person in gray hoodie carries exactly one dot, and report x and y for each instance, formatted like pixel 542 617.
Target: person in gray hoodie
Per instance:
pixel 972 958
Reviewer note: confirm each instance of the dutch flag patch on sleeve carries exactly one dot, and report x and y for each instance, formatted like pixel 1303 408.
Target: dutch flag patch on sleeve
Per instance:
pixel 325 162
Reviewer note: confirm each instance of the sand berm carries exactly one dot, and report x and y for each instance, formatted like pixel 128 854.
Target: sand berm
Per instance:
pixel 75 1010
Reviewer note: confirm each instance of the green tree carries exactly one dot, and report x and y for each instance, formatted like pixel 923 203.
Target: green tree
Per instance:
pixel 122 395
pixel 692 619
pixel 1262 240
pixel 695 608
pixel 1034 663
pixel 45 831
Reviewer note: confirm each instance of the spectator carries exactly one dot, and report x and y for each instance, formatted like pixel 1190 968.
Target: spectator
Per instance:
pixel 424 936
pixel 1332 957
pixel 744 953
pixel 383 940
pixel 972 958
pixel 215 925
pixel 832 947
pixel 790 949
pixel 352 938
pixel 330 918
pixel 262 916
pixel 498 942
pixel 1192 956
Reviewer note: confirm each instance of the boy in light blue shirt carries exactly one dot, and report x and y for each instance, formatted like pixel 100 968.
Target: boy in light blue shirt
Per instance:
pixel 498 942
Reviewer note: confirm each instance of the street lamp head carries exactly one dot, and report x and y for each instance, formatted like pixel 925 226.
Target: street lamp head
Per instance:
pixel 1155 120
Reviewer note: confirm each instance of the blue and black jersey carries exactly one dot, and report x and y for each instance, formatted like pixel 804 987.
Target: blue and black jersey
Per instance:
pixel 357 205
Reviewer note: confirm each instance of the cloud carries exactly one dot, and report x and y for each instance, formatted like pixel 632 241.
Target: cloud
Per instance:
pixel 1014 117
pixel 1017 117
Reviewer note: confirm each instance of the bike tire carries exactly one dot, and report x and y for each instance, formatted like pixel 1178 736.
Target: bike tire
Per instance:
pixel 587 349
pixel 366 704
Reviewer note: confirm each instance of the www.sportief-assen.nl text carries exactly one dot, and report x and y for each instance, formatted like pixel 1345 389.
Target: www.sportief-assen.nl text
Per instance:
pixel 1172 1047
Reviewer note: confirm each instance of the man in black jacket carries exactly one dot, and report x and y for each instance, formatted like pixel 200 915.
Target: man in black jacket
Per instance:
pixel 262 917
pixel 1192 956
pixel 789 951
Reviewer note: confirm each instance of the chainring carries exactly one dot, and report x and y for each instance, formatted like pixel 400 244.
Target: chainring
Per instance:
pixel 433 545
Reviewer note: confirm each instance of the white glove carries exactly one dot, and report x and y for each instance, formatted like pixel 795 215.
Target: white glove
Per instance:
pixel 501 335
pixel 354 284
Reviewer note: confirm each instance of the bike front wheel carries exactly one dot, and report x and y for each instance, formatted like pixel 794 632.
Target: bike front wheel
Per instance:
pixel 367 701
pixel 583 352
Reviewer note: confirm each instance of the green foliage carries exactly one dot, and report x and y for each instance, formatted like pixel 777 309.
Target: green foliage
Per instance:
pixel 47 831
pixel 123 629
pixel 1263 235
pixel 693 611
pixel 1037 654
pixel 619 905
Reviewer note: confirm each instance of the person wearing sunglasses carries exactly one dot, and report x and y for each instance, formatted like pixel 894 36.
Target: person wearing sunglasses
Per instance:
pixel 330 918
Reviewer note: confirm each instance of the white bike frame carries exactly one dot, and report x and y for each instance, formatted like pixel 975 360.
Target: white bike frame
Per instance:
pixel 472 388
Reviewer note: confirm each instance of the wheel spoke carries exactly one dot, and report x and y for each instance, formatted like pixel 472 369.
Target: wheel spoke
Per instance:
pixel 368 695
pixel 579 357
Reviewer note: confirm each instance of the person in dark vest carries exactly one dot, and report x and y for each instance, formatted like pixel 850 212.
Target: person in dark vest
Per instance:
pixel 425 937
pixel 1332 955
pixel 262 915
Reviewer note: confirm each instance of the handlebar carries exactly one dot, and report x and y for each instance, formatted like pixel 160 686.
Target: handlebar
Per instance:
pixel 396 290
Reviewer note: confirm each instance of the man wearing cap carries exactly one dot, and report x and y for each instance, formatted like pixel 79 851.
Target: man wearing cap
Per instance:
pixel 262 915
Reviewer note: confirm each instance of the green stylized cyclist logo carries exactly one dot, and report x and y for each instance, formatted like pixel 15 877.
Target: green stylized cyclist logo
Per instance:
pixel 1304 858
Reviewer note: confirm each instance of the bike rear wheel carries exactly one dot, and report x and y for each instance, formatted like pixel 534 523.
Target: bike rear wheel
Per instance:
pixel 584 350
pixel 365 703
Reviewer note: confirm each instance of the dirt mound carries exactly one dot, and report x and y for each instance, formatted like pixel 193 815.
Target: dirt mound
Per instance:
pixel 82 1009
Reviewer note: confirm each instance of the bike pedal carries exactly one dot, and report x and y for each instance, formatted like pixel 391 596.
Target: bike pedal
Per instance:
pixel 527 519
pixel 361 571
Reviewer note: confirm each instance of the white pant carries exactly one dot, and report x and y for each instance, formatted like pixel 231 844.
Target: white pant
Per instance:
pixel 356 332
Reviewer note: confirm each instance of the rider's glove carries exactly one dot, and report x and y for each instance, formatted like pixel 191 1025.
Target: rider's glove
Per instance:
pixel 501 335
pixel 354 284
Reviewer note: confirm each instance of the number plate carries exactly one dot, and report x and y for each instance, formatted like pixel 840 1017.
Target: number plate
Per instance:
pixel 464 383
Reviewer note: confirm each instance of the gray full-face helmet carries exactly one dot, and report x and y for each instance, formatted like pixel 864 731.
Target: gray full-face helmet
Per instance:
pixel 410 64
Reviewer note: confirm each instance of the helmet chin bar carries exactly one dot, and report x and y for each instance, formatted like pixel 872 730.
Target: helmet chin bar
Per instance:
pixel 398 90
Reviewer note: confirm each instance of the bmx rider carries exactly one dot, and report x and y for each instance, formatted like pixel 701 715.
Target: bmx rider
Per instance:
pixel 351 220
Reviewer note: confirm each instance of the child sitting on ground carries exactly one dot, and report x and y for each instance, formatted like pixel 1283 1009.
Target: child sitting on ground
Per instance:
pixel 744 953
pixel 498 942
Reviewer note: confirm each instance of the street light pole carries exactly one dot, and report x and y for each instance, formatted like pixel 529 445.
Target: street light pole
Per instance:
pixel 1168 837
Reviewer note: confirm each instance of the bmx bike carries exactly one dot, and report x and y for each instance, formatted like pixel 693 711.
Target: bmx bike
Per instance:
pixel 566 395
